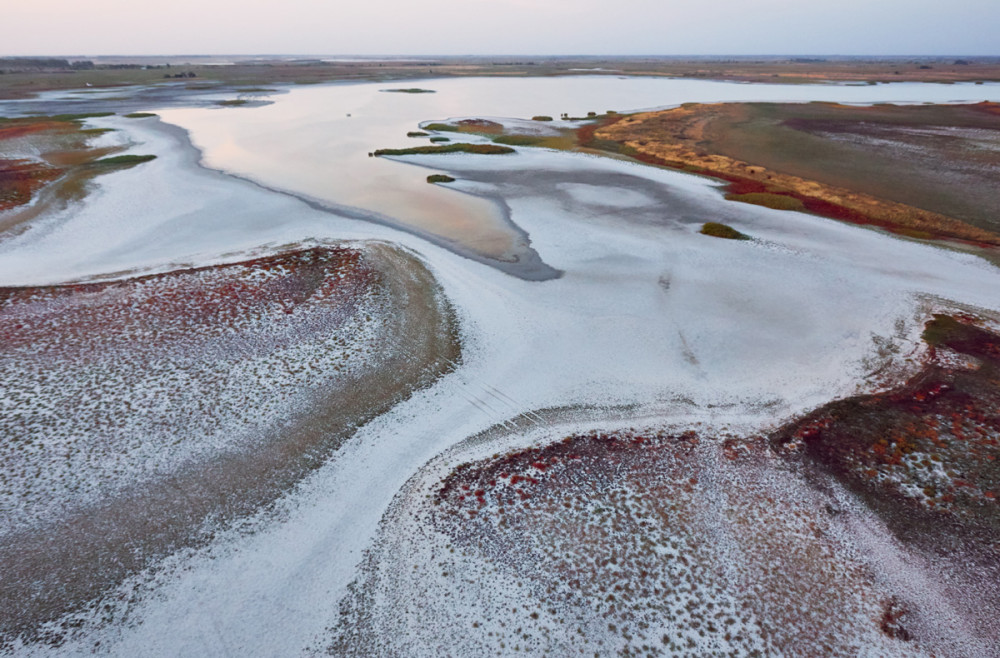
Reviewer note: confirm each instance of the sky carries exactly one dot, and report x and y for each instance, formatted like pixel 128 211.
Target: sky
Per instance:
pixel 500 27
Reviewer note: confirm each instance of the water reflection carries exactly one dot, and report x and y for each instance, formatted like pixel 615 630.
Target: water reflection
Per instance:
pixel 314 141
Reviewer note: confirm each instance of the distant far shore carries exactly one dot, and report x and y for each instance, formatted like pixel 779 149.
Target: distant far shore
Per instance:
pixel 22 77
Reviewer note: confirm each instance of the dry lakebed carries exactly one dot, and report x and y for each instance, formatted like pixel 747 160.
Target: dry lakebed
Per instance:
pixel 579 365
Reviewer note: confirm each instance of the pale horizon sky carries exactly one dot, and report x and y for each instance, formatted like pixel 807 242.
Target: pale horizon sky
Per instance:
pixel 502 27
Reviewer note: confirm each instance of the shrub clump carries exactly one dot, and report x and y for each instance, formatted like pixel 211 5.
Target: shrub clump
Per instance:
pixel 122 160
pixel 541 117
pixel 440 178
pixel 439 138
pixel 717 230
pixel 416 133
pixel 139 115
pixel 519 140
pixel 80 117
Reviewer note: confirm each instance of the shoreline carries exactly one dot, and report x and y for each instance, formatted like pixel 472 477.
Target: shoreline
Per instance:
pixel 750 69
pixel 648 315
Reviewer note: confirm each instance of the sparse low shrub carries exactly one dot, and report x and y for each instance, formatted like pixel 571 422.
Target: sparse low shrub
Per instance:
pixel 518 140
pixel 416 133
pixel 440 178
pixel 541 117
pixel 717 230
pixel 139 115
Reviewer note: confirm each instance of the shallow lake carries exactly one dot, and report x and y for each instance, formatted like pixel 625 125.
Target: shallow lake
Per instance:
pixel 314 141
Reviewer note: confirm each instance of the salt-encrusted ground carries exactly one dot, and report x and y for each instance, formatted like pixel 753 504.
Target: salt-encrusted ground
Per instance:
pixel 143 415
pixel 651 325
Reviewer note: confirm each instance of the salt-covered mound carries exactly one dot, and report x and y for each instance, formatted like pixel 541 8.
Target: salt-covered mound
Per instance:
pixel 141 414
pixel 649 543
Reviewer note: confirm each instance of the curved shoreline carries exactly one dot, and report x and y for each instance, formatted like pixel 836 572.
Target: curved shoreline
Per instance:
pixel 58 567
pixel 528 265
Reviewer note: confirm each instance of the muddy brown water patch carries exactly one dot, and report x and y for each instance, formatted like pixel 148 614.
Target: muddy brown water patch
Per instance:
pixel 148 413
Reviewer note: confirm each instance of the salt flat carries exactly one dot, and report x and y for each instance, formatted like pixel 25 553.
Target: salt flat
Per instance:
pixel 649 322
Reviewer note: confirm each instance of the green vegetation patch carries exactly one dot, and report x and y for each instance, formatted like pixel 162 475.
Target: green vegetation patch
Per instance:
pixel 139 115
pixel 768 200
pixel 442 127
pixel 76 117
pixel 947 331
pixel 410 90
pixel 717 230
pixel 122 160
pixel 439 138
pixel 237 102
pixel 519 140
pixel 417 133
pixel 541 117
pixel 440 178
pixel 481 149
pixel 470 126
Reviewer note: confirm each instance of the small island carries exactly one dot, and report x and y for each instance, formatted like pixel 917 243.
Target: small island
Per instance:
pixel 411 90
pixel 717 230
pixel 481 149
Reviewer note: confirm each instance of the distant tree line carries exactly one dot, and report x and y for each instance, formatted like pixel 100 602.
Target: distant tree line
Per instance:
pixel 42 63
pixel 55 64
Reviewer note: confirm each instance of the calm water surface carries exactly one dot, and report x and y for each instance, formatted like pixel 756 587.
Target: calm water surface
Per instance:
pixel 314 141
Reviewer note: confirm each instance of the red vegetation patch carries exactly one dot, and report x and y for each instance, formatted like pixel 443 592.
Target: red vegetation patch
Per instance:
pixel 512 479
pixel 480 126
pixel 931 446
pixel 987 107
pixel 20 179
pixel 212 301
pixel 891 623
pixel 24 127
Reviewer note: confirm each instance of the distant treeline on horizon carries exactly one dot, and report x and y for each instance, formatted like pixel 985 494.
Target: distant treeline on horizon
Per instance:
pixel 27 64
